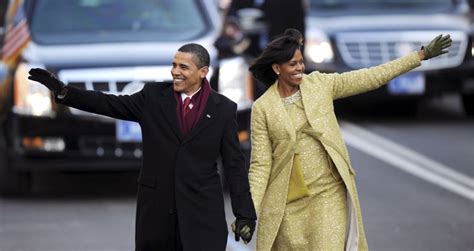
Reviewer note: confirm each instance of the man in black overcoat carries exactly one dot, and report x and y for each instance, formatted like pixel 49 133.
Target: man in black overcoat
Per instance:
pixel 180 203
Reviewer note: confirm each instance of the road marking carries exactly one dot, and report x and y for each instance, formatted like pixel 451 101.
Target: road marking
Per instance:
pixel 408 160
pixel 232 245
pixel 420 159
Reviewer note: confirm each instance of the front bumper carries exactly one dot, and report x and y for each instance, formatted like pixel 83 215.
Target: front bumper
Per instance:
pixel 86 143
pixel 81 143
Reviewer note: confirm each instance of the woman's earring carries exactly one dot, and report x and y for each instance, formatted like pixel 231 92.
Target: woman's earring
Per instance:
pixel 278 73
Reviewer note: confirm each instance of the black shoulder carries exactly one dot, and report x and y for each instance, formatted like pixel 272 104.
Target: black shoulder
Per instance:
pixel 158 85
pixel 158 89
pixel 219 98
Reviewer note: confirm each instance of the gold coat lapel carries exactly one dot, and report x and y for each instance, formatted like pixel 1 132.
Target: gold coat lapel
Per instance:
pixel 276 100
pixel 315 109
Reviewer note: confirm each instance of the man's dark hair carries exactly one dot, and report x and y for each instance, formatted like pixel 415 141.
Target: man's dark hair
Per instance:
pixel 278 51
pixel 199 52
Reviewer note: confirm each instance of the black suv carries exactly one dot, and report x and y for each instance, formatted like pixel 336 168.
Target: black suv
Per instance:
pixel 344 35
pixel 109 46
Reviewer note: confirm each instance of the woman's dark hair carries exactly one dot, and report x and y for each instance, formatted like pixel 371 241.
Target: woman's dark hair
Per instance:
pixel 280 50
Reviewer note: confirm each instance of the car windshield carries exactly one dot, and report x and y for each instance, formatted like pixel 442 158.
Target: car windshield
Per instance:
pixel 95 21
pixel 339 7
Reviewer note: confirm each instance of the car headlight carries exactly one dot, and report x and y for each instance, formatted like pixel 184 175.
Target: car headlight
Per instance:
pixel 235 82
pixel 31 98
pixel 318 47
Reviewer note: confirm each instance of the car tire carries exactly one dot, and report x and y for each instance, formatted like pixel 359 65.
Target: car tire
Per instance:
pixel 12 183
pixel 468 104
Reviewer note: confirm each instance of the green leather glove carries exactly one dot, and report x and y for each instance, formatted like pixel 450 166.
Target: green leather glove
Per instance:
pixel 437 46
pixel 47 79
pixel 243 228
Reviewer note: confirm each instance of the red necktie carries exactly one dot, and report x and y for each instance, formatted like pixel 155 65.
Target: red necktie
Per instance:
pixel 186 103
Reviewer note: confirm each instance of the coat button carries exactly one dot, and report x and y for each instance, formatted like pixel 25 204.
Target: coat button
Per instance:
pixel 172 211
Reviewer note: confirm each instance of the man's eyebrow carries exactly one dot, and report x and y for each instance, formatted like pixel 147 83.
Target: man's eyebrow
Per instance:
pixel 180 64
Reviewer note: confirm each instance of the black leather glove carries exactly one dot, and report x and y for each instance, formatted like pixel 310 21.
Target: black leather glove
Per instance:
pixel 437 46
pixel 243 228
pixel 47 79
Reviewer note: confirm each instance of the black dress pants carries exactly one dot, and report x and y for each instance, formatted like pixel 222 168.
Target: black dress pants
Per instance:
pixel 166 241
pixel 179 245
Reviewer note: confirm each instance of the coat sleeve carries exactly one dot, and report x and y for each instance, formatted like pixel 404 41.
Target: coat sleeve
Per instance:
pixel 235 171
pixel 363 80
pixel 125 107
pixel 261 157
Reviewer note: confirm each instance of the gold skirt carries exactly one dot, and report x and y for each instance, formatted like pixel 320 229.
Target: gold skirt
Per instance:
pixel 317 221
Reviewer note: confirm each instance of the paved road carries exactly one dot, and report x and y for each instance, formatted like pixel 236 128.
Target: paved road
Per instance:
pixel 415 177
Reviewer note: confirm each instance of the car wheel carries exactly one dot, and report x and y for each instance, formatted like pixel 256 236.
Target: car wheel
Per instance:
pixel 468 104
pixel 12 183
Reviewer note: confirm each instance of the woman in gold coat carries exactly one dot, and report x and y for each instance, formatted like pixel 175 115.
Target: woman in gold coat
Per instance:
pixel 301 179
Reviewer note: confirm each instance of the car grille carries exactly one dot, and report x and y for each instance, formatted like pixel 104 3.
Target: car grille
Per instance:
pixel 118 80
pixel 363 49
pixel 107 87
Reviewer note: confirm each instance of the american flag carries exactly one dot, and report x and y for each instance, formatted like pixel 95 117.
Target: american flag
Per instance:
pixel 17 34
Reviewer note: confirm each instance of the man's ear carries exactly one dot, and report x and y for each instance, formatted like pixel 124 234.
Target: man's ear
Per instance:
pixel 203 71
pixel 276 68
